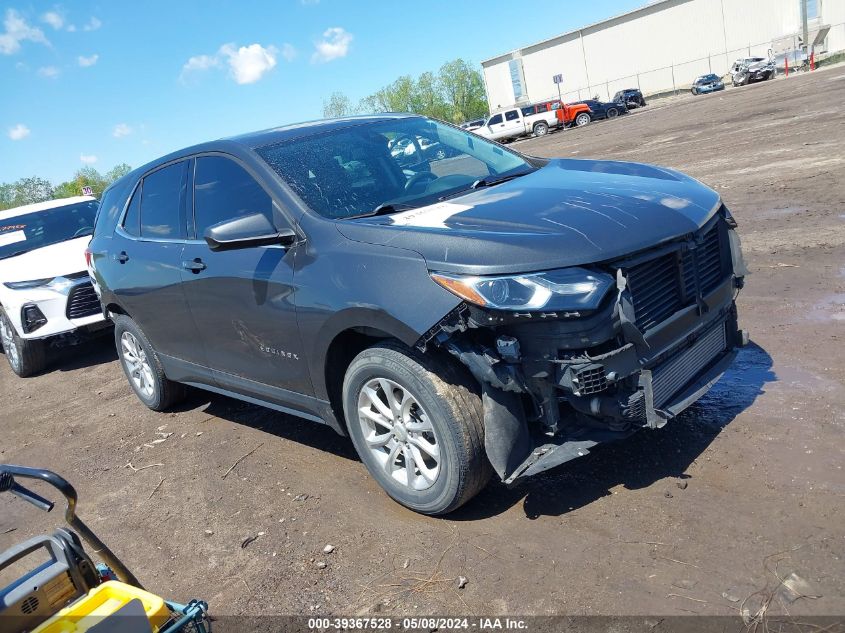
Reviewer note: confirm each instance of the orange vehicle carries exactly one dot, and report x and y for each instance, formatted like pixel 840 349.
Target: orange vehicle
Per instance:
pixel 566 114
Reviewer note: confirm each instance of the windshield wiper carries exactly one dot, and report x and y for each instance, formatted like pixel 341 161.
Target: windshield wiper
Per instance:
pixel 384 208
pixel 489 182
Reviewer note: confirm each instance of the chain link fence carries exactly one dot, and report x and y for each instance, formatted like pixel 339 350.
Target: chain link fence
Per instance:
pixel 679 76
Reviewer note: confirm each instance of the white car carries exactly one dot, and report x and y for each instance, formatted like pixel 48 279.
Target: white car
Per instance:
pixel 46 296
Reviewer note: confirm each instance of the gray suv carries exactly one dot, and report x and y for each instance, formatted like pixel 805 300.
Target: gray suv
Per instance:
pixel 483 312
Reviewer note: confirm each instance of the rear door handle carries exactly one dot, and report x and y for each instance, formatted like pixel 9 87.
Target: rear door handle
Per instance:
pixel 195 266
pixel 122 257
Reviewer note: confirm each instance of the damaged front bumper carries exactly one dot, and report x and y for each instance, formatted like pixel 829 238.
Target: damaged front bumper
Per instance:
pixel 554 388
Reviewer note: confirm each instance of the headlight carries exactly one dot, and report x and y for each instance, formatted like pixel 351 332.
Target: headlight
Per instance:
pixel 567 289
pixel 23 285
pixel 54 283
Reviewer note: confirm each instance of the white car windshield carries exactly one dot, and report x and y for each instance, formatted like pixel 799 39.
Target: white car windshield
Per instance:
pixel 402 162
pixel 24 233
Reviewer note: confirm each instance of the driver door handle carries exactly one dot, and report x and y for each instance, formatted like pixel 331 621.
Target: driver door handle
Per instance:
pixel 196 266
pixel 122 257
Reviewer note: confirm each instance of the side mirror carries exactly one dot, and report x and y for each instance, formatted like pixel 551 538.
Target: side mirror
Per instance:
pixel 247 232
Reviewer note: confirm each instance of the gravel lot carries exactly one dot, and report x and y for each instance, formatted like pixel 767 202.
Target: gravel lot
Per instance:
pixel 747 486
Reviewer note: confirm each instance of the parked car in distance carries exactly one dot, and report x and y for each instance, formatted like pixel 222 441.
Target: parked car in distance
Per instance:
pixel 751 70
pixel 469 126
pixel 536 119
pixel 410 151
pixel 46 297
pixel 707 83
pixel 488 313
pixel 631 97
pixel 602 110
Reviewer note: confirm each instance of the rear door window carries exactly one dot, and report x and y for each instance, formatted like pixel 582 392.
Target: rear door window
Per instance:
pixel 163 203
pixel 223 190
pixel 511 115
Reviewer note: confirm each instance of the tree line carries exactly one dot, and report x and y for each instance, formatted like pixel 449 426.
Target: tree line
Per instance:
pixel 36 189
pixel 455 93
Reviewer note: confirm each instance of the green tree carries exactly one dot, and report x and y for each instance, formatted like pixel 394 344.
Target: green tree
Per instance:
pixel 116 172
pixel 25 191
pixel 455 93
pixel 337 105
pixel 463 90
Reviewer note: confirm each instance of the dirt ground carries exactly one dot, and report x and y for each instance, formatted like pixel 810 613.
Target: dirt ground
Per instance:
pixel 745 488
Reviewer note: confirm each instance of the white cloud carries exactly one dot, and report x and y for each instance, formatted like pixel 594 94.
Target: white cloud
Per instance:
pixel 121 130
pixel 334 45
pixel 20 131
pixel 88 159
pixel 54 19
pixel 71 28
pixel 87 61
pixel 247 64
pixel 289 52
pixel 17 30
pixel 93 24
pixel 50 72
pixel 307 2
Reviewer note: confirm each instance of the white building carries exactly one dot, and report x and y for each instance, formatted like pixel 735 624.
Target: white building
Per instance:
pixel 660 47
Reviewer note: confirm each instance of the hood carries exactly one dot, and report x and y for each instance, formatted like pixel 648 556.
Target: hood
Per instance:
pixel 64 258
pixel 567 213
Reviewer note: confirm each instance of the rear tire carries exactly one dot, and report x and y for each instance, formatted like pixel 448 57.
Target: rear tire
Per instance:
pixel 582 119
pixel 541 129
pixel 612 113
pixel 142 367
pixel 26 357
pixel 417 424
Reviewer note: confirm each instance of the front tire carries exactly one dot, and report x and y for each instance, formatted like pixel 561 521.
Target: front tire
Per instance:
pixel 417 424
pixel 582 119
pixel 26 357
pixel 142 367
pixel 612 113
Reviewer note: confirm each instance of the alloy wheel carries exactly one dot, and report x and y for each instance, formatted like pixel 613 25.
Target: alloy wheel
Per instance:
pixel 399 433
pixel 8 339
pixel 137 365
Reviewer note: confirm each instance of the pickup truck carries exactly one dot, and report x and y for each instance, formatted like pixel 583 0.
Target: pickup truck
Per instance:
pixel 534 119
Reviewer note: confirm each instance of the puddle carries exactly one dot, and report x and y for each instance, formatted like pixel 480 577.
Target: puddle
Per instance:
pixel 736 391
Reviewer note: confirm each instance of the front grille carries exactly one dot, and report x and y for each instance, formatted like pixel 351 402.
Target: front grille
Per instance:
pixel 82 302
pixel 663 285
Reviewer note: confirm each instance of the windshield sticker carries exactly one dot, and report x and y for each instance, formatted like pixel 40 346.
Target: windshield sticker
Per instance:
pixel 12 238
pixel 433 216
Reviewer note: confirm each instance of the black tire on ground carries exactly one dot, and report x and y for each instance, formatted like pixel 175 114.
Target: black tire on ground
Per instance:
pixel 449 398
pixel 612 113
pixel 582 119
pixel 165 393
pixel 694 91
pixel 541 129
pixel 28 357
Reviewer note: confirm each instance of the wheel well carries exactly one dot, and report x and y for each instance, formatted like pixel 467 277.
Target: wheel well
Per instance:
pixel 342 350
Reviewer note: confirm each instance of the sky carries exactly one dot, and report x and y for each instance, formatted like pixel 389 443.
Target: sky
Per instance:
pixel 105 82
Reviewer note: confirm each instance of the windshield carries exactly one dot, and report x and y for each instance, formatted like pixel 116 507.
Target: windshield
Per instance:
pixel 706 79
pixel 403 163
pixel 23 233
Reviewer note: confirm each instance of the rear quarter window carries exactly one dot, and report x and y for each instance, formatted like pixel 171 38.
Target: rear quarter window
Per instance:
pixel 111 206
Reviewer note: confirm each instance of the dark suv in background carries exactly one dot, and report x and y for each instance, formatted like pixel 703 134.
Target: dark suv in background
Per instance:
pixel 484 312
pixel 631 97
